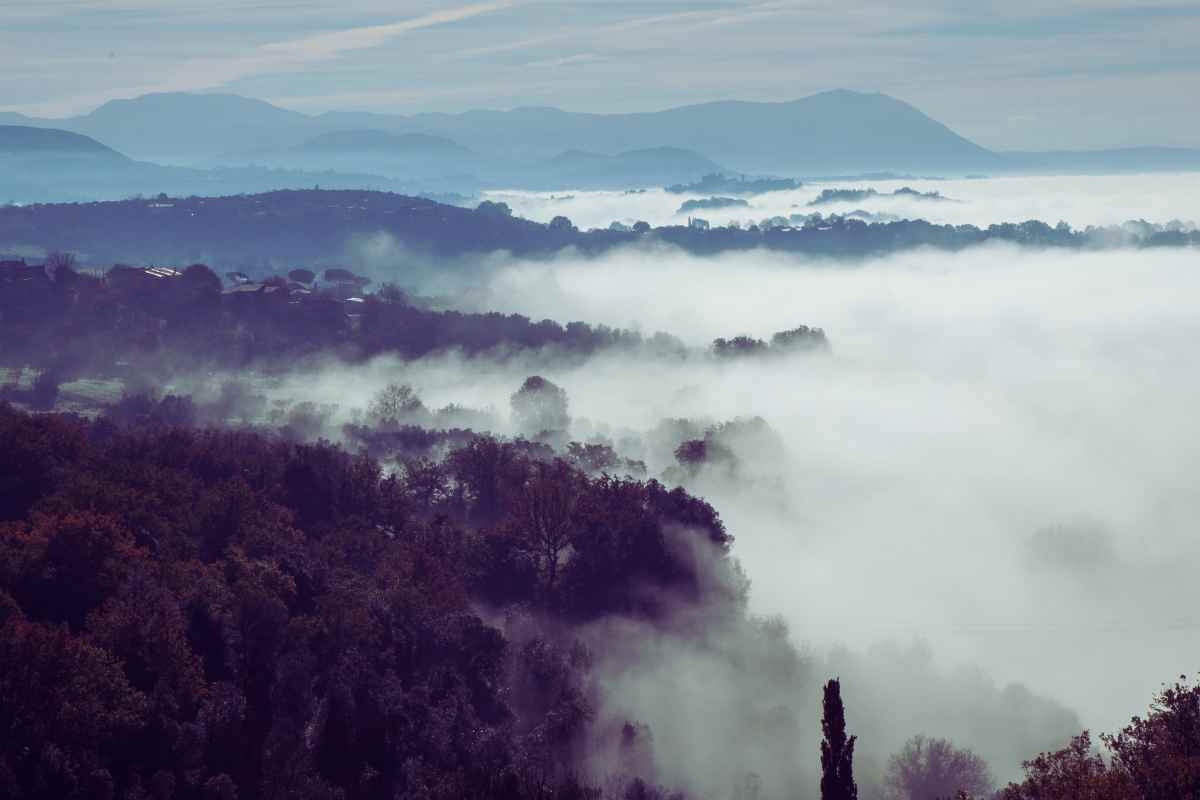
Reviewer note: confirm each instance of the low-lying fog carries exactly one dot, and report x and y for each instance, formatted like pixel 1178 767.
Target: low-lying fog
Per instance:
pixel 1080 201
pixel 998 457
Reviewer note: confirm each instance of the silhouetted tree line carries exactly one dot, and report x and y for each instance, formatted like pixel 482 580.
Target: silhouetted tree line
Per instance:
pixel 856 238
pixel 79 323
pixel 270 232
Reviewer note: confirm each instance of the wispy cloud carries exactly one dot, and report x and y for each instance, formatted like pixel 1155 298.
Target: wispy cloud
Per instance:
pixel 198 74
pixel 328 45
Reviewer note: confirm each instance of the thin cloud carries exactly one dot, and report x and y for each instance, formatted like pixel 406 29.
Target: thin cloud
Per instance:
pixel 329 45
pixel 208 73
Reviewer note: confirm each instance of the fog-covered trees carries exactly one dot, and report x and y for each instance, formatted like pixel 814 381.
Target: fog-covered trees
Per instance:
pixel 539 406
pixel 931 769
pixel 802 337
pixel 394 404
pixel 782 343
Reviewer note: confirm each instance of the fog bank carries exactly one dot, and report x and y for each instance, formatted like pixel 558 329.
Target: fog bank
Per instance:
pixel 1078 200
pixel 995 459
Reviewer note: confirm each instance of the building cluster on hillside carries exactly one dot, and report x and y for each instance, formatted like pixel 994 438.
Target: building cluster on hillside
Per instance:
pixel 334 287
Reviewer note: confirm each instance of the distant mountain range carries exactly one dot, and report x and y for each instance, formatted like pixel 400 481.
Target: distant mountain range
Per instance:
pixel 71 166
pixel 836 132
pixel 827 132
pixel 51 165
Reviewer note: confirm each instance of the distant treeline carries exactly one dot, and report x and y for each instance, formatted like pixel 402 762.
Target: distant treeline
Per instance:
pixel 165 321
pixel 828 196
pixel 268 232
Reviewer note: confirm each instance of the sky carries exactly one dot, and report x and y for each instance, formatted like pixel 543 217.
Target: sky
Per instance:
pixel 1009 75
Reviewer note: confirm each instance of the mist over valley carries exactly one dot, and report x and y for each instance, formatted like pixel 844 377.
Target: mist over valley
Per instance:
pixel 714 443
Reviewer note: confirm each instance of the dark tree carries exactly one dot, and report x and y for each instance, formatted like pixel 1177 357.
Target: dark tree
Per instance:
pixel 561 223
pixel 200 279
pixel 61 265
pixel 837 752
pixel 1075 772
pixel 1160 753
pixel 738 346
pixel 45 389
pixel 491 208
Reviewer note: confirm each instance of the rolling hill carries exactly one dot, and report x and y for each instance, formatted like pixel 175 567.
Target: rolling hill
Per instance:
pixel 26 141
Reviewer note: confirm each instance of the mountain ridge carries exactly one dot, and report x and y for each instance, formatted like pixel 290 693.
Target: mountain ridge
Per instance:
pixel 26 140
pixel 829 133
pixel 839 129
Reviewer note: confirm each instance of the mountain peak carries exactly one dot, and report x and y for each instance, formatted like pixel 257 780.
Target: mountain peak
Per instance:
pixel 26 140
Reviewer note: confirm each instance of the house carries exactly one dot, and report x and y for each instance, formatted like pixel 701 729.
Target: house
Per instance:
pixel 140 279
pixel 697 224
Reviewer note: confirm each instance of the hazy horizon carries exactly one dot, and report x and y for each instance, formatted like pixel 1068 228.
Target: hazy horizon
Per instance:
pixel 1071 75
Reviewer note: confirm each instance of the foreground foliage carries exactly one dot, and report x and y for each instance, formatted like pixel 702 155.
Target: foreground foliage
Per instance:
pixel 204 614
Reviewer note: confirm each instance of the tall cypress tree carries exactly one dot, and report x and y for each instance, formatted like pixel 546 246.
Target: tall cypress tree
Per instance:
pixel 837 752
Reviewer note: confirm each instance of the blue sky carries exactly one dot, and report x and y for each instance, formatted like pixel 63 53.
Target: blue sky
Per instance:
pixel 1018 74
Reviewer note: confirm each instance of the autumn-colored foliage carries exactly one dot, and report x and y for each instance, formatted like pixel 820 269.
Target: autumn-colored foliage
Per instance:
pixel 207 614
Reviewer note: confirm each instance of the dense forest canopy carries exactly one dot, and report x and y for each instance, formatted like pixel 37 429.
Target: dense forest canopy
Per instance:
pixel 217 614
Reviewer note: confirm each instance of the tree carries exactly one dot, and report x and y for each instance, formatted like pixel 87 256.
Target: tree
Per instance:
pixel 61 265
pixel 544 511
pixel 201 286
pixel 1160 753
pixel 802 337
pixel 641 226
pixel 539 406
pixel 931 768
pixel 738 346
pixel 491 208
pixel 561 223
pixel 394 402
pixel 1076 772
pixel 837 752
pixel 44 393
